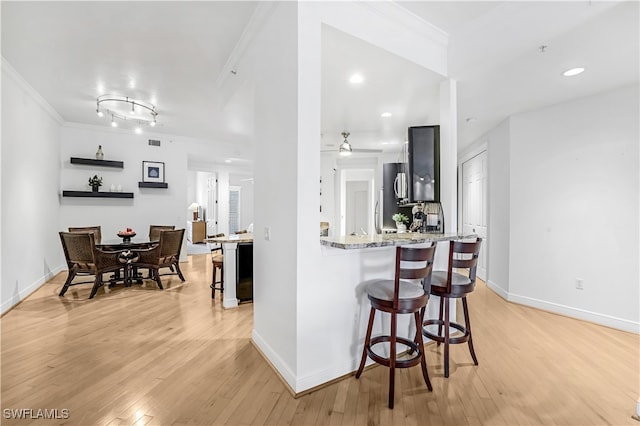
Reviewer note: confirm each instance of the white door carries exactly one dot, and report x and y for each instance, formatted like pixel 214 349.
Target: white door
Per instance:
pixel 474 204
pixel 357 211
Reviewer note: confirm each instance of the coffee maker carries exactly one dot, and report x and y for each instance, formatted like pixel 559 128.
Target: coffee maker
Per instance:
pixel 427 218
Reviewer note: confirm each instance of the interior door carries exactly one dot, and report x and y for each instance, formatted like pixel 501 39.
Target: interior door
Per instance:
pixel 474 204
pixel 357 211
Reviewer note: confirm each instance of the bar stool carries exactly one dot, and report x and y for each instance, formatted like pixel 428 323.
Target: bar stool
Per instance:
pixel 398 296
pixel 453 285
pixel 217 262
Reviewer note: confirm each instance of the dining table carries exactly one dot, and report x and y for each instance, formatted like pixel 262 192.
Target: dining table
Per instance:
pixel 126 249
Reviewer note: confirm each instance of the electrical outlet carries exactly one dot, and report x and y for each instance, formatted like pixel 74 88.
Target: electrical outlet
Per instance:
pixel 579 283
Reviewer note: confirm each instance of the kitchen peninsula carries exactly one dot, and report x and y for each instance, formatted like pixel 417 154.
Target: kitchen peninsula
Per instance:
pixel 336 307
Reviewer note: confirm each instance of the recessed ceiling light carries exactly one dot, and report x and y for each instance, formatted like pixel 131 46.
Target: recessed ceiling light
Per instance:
pixel 386 114
pixel 227 161
pixel 356 79
pixel 573 71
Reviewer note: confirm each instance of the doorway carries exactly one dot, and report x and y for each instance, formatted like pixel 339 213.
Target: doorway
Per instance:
pixel 357 213
pixel 474 204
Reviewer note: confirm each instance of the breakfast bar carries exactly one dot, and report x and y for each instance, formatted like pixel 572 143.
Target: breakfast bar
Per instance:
pixel 335 304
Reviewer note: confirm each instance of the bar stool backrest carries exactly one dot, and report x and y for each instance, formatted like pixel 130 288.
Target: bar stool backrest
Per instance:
pixel 412 264
pixel 463 255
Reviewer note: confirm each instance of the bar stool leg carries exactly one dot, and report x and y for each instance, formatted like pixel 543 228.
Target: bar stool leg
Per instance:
pixel 367 341
pixel 467 324
pixel 420 342
pixel 392 358
pixel 440 318
pixel 446 337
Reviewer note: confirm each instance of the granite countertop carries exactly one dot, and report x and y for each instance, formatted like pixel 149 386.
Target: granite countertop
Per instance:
pixel 349 242
pixel 235 238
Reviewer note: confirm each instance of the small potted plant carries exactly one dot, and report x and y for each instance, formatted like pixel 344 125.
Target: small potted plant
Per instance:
pixel 95 182
pixel 400 219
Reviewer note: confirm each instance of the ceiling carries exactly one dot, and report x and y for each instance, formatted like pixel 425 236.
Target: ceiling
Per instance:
pixel 172 54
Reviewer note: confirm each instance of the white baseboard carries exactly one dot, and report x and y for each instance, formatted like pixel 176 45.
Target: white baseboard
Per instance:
pixel 497 289
pixel 569 311
pixel 277 362
pixel 20 295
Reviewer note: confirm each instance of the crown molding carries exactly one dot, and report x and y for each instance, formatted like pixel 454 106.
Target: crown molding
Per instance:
pixel 392 11
pixel 11 72
pixel 259 16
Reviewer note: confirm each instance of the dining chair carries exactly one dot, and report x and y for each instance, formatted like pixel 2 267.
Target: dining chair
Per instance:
pixel 97 233
pixel 154 231
pixel 454 285
pixel 405 294
pixel 163 255
pixel 83 257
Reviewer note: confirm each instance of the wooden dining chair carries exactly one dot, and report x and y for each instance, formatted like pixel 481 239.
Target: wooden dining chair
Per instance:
pixel 449 285
pixel 154 231
pixel 83 257
pixel 163 255
pixel 96 230
pixel 404 294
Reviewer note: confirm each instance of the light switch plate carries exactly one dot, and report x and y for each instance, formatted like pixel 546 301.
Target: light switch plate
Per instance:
pixel 267 233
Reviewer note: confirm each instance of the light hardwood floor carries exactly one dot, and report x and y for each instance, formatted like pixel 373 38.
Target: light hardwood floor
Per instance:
pixel 145 356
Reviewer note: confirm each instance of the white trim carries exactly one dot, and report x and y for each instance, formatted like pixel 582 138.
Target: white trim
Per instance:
pixel 569 311
pixel 11 72
pixel 14 299
pixel 259 16
pixel 498 290
pixel 406 19
pixel 278 363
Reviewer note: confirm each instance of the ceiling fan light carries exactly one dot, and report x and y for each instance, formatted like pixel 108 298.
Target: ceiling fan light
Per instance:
pixel 100 113
pixel 345 148
pixel 138 130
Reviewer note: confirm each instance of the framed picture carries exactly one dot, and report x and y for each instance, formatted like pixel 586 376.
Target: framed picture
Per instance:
pixel 152 171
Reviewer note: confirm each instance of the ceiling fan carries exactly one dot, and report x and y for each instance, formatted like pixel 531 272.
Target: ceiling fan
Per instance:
pixel 346 149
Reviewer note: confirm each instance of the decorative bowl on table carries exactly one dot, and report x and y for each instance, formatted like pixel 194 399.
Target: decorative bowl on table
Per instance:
pixel 126 235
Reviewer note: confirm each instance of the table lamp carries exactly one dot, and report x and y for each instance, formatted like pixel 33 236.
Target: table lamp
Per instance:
pixel 194 207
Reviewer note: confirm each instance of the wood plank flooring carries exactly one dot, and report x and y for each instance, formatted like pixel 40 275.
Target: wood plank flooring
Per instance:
pixel 145 356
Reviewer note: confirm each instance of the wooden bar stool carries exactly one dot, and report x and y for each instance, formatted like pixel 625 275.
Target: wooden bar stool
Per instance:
pixel 398 296
pixel 217 262
pixel 453 285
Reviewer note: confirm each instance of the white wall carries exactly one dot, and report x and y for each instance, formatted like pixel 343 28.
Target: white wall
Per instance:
pixel 563 204
pixel 574 207
pixel 274 57
pixel 149 205
pixel 31 250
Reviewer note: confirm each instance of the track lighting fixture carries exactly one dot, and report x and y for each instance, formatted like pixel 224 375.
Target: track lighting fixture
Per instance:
pixel 127 109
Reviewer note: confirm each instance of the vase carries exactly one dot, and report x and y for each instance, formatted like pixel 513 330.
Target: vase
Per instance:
pixel 95 188
pixel 401 227
pixel 99 153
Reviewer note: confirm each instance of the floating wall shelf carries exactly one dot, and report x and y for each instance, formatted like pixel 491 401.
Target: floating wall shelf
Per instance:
pixel 152 185
pixel 92 194
pixel 94 162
